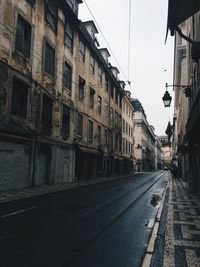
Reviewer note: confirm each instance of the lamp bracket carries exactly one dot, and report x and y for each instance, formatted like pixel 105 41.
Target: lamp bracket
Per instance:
pixel 186 89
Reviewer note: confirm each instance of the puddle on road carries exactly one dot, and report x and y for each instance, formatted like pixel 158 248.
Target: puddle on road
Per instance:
pixel 155 201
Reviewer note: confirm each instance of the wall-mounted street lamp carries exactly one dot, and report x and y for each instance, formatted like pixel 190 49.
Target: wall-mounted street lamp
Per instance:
pixel 186 89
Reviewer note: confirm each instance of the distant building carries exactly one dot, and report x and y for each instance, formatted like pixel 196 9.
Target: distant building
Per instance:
pixel 144 139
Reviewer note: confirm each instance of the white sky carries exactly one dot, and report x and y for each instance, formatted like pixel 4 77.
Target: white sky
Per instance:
pixel 149 58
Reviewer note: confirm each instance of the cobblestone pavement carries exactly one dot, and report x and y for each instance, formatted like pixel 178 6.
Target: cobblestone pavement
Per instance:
pixel 178 239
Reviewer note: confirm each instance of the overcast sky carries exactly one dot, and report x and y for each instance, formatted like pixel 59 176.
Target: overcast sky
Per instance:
pixel 151 61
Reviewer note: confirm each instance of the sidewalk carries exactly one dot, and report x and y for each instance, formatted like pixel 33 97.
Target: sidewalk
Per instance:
pixel 177 232
pixel 46 189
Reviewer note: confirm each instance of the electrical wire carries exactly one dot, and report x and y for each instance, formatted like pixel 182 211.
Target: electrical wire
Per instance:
pixel 110 49
pixel 129 41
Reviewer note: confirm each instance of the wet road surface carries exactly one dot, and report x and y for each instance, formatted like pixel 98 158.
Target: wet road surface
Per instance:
pixel 102 225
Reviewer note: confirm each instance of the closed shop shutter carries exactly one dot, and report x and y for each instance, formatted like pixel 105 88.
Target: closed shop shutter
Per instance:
pixel 14 166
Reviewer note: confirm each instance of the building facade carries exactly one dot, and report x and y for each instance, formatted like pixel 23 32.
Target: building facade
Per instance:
pixel 61 100
pixel 128 129
pixel 145 139
pixel 187 103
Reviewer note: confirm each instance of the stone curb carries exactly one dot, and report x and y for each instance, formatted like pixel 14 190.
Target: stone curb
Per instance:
pixel 151 244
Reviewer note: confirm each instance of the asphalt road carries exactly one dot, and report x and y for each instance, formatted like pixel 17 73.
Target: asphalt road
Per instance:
pixel 102 225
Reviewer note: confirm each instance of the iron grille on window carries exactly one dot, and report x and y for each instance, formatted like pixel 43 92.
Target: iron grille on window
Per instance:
pixel 51 13
pixel 23 37
pixel 68 35
pixel 47 106
pixel 80 125
pixel 67 76
pixel 66 121
pixel 81 88
pixel 19 98
pixel 49 64
pixel 82 52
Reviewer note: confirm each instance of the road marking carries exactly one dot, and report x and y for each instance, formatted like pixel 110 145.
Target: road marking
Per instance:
pixel 19 211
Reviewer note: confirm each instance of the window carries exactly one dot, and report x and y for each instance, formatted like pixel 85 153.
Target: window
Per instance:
pixel 111 114
pixel 49 63
pixel 99 104
pixel 92 65
pixel 23 37
pixel 99 134
pixel 126 128
pixel 91 99
pixel 66 122
pixel 80 125
pixel 116 118
pixel 106 109
pixel 120 101
pixel 81 88
pixel 123 126
pixel 116 142
pixel 19 98
pixel 82 52
pixel 51 12
pixel 47 106
pixel 112 91
pixel 120 121
pixel 105 137
pixel 100 74
pixel 90 131
pixel 107 85
pixel 68 35
pixel 67 76
pixel 111 139
pixel 116 97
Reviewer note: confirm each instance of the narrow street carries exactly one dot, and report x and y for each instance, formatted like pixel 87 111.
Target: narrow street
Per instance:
pixel 106 224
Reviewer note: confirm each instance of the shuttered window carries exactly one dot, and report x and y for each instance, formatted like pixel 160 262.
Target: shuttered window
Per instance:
pixel 49 64
pixel 23 37
pixel 51 14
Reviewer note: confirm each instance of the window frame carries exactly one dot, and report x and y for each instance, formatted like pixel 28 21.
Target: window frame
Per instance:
pixel 90 131
pixel 14 113
pixel 82 51
pixel 81 88
pixel 47 43
pixel 65 134
pixel 92 65
pixel 99 104
pixel 50 17
pixel 49 115
pixel 99 132
pixel 91 98
pixel 68 35
pixel 22 50
pixel 79 131
pixel 67 85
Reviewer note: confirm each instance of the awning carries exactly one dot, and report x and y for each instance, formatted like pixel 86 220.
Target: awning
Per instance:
pixel 179 11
